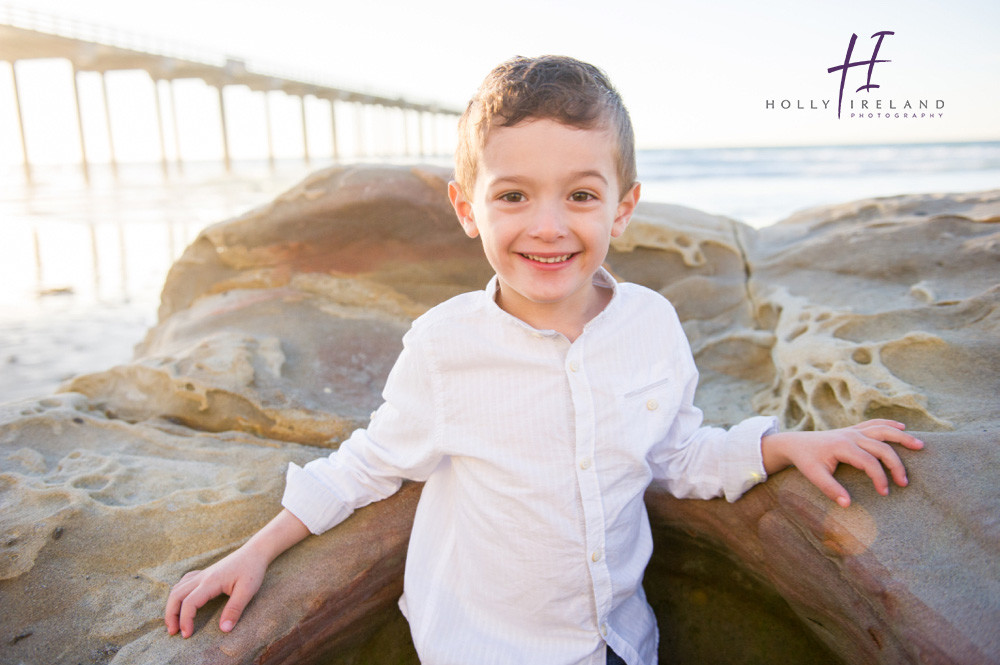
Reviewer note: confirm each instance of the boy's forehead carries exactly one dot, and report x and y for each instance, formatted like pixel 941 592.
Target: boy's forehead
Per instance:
pixel 535 140
pixel 530 126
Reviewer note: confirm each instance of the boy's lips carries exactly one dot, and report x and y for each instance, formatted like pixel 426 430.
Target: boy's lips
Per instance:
pixel 548 258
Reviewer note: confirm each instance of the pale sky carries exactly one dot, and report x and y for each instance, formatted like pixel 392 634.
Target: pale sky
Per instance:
pixel 693 74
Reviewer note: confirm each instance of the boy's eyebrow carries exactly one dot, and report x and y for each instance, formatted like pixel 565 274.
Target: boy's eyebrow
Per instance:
pixel 576 175
pixel 588 174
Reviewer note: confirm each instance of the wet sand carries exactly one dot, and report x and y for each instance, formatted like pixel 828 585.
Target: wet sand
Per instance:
pixel 83 265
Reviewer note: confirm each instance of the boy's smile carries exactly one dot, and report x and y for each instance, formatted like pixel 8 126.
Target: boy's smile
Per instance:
pixel 546 205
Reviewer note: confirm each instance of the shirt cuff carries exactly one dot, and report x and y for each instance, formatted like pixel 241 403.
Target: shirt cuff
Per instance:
pixel 745 462
pixel 312 501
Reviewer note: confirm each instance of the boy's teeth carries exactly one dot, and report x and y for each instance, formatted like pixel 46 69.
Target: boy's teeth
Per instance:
pixel 549 259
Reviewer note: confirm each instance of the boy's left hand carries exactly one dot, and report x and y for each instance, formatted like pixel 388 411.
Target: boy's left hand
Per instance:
pixel 817 454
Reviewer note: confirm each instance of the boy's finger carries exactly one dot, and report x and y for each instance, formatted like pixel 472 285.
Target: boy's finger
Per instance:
pixel 170 618
pixel 824 480
pixel 885 453
pixel 233 610
pixel 906 440
pixel 872 466
pixel 173 608
pixel 881 422
pixel 170 614
pixel 892 435
pixel 887 432
pixel 192 603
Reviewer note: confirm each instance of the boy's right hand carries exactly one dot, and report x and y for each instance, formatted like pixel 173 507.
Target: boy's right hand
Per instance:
pixel 239 575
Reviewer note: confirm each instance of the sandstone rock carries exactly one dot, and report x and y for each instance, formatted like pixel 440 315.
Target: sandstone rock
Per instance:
pixel 276 333
pixel 913 578
pixel 389 225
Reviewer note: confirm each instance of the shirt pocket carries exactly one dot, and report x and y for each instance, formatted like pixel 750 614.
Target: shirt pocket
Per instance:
pixel 650 410
pixel 647 388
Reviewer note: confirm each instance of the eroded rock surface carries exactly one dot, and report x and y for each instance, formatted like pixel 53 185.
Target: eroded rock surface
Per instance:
pixel 277 330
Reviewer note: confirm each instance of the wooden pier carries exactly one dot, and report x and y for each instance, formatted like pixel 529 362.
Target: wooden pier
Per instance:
pixel 26 35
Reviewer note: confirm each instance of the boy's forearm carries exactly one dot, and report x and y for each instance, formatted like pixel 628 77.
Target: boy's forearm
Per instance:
pixel 278 535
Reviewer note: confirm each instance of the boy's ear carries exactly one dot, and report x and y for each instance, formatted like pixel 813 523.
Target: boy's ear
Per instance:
pixel 463 209
pixel 625 209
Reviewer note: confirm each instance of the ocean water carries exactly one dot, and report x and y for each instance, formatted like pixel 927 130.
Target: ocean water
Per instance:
pixel 760 186
pixel 83 264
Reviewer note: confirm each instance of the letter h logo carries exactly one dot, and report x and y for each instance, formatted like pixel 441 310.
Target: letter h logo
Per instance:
pixel 848 64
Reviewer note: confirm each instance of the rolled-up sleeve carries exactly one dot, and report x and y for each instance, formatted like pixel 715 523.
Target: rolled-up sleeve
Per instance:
pixel 399 443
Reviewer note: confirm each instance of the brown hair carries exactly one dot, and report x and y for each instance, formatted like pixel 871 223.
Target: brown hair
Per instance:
pixel 551 87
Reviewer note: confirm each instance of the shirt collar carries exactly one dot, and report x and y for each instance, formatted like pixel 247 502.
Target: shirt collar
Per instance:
pixel 601 278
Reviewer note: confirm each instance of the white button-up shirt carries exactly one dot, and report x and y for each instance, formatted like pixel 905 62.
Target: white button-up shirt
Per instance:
pixel 531 536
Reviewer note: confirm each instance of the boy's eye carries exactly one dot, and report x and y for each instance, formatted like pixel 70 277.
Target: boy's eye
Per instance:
pixel 580 197
pixel 512 197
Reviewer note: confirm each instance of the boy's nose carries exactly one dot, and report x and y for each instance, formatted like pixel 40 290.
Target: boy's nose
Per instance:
pixel 549 224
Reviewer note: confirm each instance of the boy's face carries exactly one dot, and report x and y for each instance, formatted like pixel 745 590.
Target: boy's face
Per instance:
pixel 546 205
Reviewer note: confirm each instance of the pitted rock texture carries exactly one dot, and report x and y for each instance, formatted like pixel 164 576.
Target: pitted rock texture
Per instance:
pixel 277 330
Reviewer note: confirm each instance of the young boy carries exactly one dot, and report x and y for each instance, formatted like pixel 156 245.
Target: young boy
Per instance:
pixel 539 410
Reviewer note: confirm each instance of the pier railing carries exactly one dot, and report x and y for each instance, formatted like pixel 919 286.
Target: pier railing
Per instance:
pixel 26 34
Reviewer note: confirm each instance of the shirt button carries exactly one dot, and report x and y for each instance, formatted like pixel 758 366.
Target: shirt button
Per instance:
pixel 537 335
pixel 573 366
pixel 585 463
pixel 604 630
pixel 596 556
pixel 652 405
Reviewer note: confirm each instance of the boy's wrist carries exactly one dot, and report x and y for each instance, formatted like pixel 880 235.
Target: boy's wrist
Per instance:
pixel 277 536
pixel 772 452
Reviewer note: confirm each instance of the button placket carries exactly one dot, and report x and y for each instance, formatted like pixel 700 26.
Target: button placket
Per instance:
pixel 588 482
